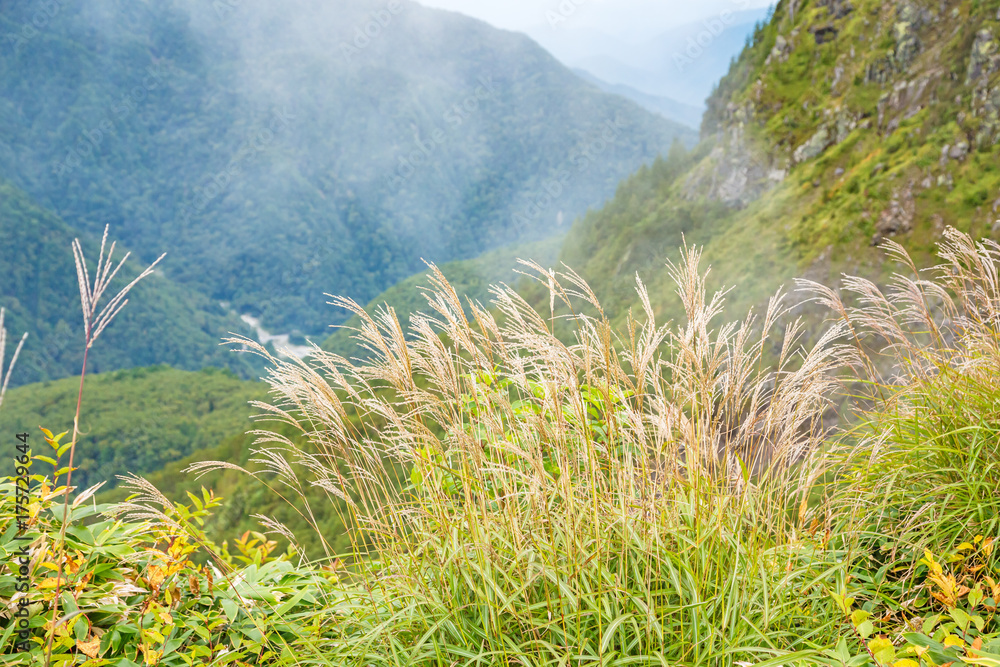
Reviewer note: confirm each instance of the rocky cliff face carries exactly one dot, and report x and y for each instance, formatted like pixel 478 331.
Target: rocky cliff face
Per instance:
pixel 907 90
pixel 842 124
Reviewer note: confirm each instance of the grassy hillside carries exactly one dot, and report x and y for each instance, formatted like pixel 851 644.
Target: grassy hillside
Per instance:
pixel 136 420
pixel 279 163
pixel 163 323
pixel 840 125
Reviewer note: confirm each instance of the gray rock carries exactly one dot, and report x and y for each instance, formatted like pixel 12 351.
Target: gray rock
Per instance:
pixel 782 47
pixel 814 147
pixel 986 107
pixel 984 59
pixel 824 34
pixel 897 218
pixel 959 151
pixel 735 173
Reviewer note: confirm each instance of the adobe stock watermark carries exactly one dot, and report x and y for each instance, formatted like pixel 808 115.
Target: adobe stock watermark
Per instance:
pixel 40 20
pixel 371 30
pixel 89 142
pixel 563 13
pixel 225 8
pixel 256 143
pixel 455 117
pixel 712 28
pixel 554 187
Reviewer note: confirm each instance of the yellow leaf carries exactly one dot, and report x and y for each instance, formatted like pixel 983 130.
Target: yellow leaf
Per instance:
pixel 90 648
pixel 952 640
pixel 156 575
pixel 152 657
pixel 906 663
pixel 49 582
pixel 964 546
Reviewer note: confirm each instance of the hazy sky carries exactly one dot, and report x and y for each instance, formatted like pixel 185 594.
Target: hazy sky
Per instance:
pixel 614 16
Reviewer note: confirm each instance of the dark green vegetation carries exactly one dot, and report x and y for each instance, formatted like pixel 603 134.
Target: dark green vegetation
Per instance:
pixel 135 421
pixel 271 156
pixel 164 323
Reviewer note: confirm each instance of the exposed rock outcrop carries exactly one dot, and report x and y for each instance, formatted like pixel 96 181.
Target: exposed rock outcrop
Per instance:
pixel 780 52
pixel 986 109
pixel 984 59
pixel 838 8
pixel 897 218
pixel 814 146
pixel 906 98
pixel 909 20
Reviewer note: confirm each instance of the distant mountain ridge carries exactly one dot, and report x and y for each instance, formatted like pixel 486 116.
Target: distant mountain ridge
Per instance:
pixel 680 64
pixel 279 153
pixel 688 114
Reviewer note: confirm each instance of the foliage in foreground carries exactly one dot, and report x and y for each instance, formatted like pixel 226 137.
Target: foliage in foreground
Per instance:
pixel 150 589
pixel 659 495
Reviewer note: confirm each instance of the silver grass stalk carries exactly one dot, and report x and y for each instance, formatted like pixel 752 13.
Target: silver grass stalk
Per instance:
pixel 5 377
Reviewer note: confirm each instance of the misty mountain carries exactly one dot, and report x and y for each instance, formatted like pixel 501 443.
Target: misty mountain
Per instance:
pixel 282 151
pixel 681 63
pixel 686 114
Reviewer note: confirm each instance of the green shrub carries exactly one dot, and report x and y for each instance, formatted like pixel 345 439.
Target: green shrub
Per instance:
pixel 136 591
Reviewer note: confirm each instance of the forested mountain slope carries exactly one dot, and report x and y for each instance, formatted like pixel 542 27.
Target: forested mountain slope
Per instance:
pixel 278 152
pixel 137 420
pixel 471 279
pixel 841 125
pixel 163 323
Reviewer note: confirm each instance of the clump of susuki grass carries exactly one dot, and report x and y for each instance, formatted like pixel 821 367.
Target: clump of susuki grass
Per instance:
pixel 919 475
pixel 96 318
pixel 515 498
pixel 928 452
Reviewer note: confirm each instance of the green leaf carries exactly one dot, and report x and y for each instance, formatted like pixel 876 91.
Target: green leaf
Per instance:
pixel 929 623
pixel 230 607
pixel 81 628
pixel 960 617
pixel 975 597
